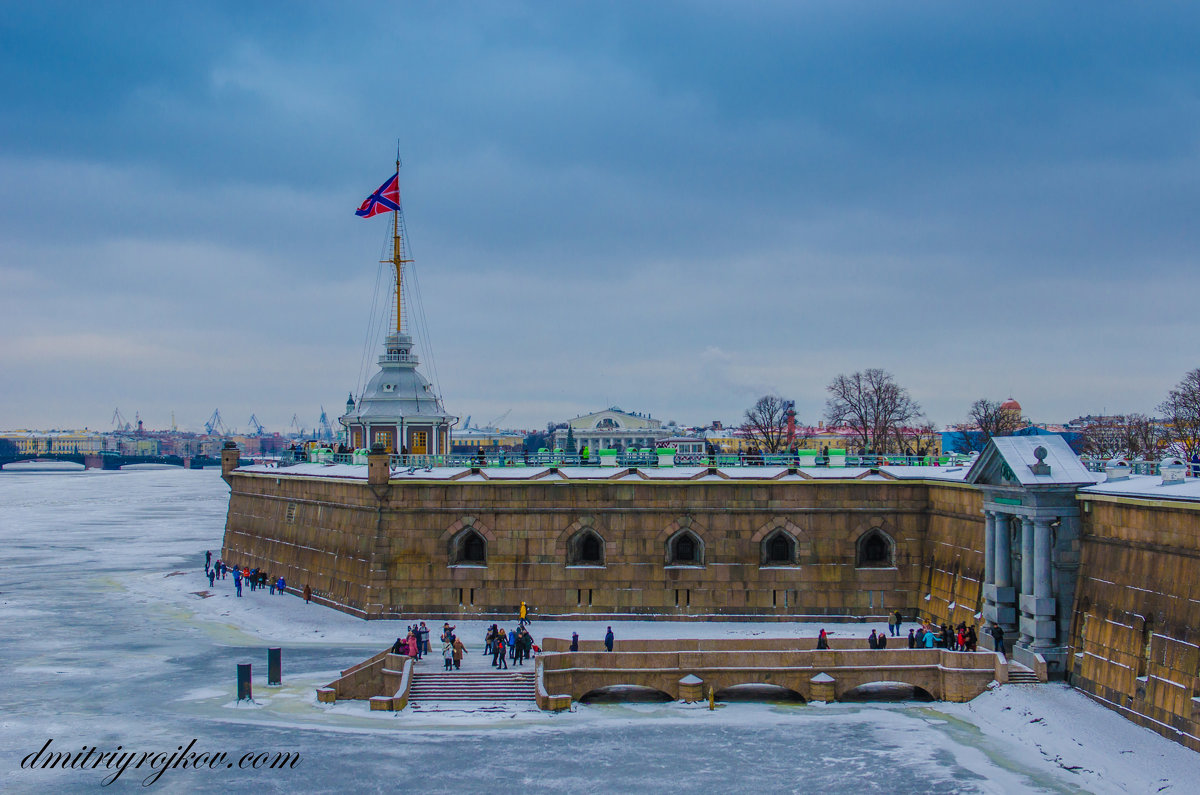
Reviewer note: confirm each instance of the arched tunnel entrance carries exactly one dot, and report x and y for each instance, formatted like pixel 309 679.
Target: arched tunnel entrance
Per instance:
pixel 759 692
pixel 887 691
pixel 624 694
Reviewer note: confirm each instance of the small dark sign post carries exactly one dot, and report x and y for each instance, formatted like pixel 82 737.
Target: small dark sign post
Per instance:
pixel 274 666
pixel 243 680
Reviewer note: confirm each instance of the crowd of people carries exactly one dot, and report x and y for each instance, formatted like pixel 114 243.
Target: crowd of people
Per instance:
pixel 253 578
pixel 926 635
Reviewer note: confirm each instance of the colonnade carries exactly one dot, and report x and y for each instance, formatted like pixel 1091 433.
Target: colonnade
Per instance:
pixel 1028 604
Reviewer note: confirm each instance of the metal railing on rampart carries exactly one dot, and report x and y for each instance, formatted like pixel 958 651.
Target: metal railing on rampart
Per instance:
pixel 627 458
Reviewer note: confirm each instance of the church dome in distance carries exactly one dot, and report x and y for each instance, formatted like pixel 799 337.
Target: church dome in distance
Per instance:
pixel 1010 405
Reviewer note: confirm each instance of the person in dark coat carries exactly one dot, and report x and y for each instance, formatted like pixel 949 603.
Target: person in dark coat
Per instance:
pixel 899 620
pixel 912 639
pixel 574 640
pixel 998 637
pixel 501 639
pixel 822 640
pixel 873 641
pixel 307 593
pixel 212 575
pixel 608 639
pixel 881 641
pixel 972 638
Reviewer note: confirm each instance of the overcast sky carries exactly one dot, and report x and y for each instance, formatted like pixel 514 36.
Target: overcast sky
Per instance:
pixel 669 207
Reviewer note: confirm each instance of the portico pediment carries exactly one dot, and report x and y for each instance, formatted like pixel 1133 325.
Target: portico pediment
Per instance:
pixel 1029 461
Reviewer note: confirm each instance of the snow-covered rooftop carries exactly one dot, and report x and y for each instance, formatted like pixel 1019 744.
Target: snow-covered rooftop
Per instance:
pixel 1149 486
pixel 639 474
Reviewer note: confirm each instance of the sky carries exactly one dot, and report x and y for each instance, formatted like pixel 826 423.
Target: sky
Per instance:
pixel 669 207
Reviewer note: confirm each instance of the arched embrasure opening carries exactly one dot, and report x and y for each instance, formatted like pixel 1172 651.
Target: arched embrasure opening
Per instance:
pixel 468 547
pixel 625 694
pixel 759 692
pixel 875 549
pixel 779 549
pixel 685 549
pixel 887 691
pixel 585 548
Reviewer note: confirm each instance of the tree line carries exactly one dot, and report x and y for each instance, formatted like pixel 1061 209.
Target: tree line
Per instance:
pixel 882 418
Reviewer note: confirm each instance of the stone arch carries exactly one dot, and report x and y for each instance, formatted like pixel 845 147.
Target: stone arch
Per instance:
pixel 682 523
pixel 773 531
pixel 471 522
pixel 685 548
pixel 887 690
pixel 467 542
pixel 563 543
pixel 778 549
pixel 585 548
pixel 633 693
pixel 758 691
pixel 875 549
pixel 468 547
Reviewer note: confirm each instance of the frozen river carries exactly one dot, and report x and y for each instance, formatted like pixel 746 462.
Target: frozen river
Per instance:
pixel 104 644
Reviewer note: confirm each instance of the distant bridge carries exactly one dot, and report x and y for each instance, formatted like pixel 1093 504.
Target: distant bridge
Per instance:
pixel 114 460
pixel 686 669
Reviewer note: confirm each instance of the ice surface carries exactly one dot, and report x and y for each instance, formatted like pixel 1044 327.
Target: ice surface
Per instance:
pixel 108 640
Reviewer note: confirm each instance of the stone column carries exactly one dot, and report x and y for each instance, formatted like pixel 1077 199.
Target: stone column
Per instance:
pixel 989 561
pixel 1042 605
pixel 1027 556
pixel 999 595
pixel 989 547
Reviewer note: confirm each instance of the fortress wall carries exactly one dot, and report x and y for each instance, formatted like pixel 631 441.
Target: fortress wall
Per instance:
pixel 326 543
pixel 528 526
pixel 1136 628
pixel 331 543
pixel 952 562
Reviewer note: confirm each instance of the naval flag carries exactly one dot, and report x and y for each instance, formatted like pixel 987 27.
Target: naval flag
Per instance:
pixel 384 200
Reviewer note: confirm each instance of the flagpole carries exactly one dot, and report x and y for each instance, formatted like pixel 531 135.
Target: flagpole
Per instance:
pixel 396 258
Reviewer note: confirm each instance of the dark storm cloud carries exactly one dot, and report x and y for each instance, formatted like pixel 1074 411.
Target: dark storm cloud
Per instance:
pixel 670 206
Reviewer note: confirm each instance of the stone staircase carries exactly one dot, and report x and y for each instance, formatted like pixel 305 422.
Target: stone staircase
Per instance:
pixel 1020 675
pixel 475 686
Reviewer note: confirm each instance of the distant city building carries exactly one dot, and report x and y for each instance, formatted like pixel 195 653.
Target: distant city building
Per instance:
pixel 55 442
pixel 612 428
pixel 472 439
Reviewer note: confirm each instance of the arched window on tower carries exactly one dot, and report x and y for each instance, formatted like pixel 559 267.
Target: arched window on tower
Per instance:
pixel 685 549
pixel 468 547
pixel 778 549
pixel 875 549
pixel 585 548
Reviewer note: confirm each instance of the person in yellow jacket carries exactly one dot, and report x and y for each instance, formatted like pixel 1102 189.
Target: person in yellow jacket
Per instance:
pixel 523 615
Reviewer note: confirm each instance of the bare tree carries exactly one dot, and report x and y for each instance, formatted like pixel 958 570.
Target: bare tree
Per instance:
pixel 1144 436
pixel 1181 414
pixel 918 440
pixel 766 423
pixel 873 406
pixel 987 419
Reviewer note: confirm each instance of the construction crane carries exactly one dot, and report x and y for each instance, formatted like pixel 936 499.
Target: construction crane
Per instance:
pixel 467 424
pixel 216 424
pixel 118 422
pixel 257 426
pixel 496 422
pixel 323 424
pixel 295 428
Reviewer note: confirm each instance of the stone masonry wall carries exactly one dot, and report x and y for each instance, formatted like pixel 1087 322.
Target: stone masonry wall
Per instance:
pixel 952 563
pixel 1136 629
pixel 393 556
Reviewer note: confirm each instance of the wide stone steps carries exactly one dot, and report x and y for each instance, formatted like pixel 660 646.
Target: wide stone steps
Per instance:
pixel 472 686
pixel 1020 675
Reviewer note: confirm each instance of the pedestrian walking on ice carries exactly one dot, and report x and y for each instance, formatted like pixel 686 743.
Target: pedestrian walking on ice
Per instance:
pixel 307 593
pixel 609 639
